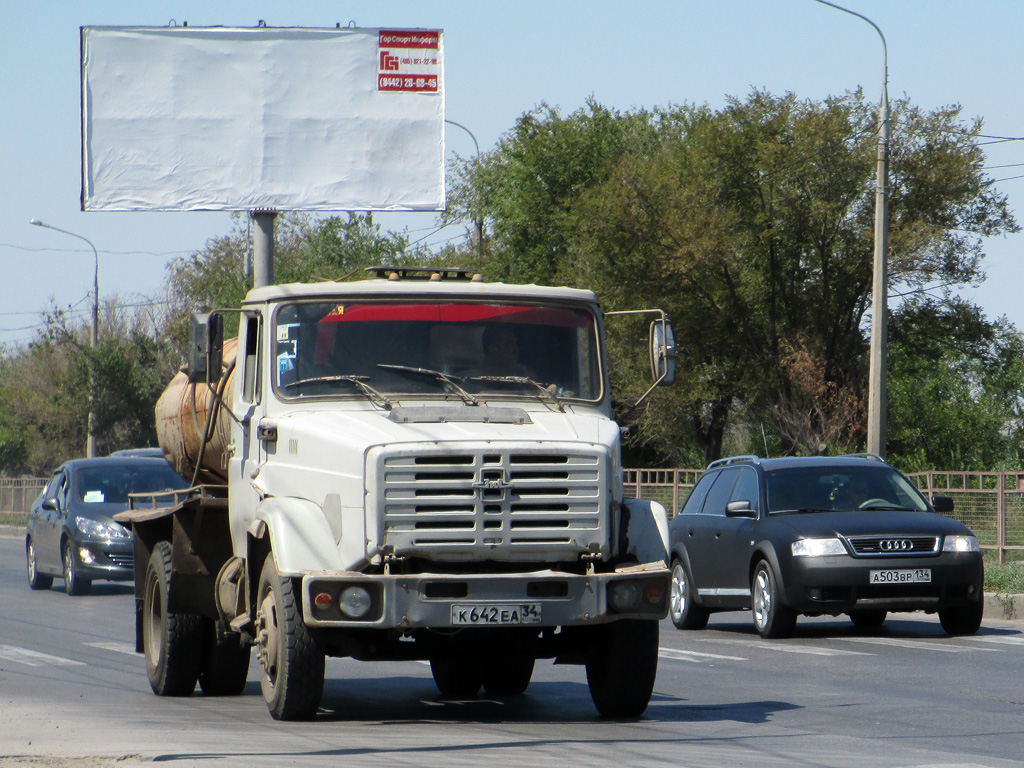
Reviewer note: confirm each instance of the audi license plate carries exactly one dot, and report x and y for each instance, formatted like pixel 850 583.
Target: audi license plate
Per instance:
pixel 907 576
pixel 522 613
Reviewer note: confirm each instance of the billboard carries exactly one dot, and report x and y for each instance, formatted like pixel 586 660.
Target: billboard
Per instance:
pixel 280 118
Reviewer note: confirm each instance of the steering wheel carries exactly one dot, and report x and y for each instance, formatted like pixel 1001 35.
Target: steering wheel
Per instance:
pixel 872 502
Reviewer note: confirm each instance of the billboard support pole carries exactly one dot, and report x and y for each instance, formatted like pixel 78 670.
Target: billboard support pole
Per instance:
pixel 263 248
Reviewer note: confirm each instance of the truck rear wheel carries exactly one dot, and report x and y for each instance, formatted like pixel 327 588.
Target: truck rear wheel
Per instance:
pixel 622 663
pixel 508 676
pixel 291 657
pixel 173 642
pixel 225 666
pixel 457 676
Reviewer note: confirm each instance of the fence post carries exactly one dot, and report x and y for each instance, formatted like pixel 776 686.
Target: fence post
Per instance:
pixel 1001 517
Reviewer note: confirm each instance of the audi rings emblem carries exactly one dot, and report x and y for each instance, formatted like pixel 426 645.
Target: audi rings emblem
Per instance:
pixel 896 545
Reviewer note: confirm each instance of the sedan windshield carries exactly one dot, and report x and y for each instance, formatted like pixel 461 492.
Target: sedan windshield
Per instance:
pixel 383 350
pixel 840 488
pixel 111 483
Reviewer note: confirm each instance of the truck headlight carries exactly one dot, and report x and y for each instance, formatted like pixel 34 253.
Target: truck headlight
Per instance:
pixel 624 596
pixel 817 547
pixel 960 544
pixel 355 602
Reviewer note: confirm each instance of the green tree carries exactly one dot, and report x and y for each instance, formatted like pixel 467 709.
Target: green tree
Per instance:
pixel 954 389
pixel 753 227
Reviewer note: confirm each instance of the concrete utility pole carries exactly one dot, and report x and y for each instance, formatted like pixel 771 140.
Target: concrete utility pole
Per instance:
pixel 877 395
pixel 90 438
pixel 263 248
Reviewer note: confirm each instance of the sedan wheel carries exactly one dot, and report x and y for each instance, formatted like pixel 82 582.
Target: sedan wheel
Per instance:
pixel 772 618
pixel 73 583
pixel 868 618
pixel 36 580
pixel 686 614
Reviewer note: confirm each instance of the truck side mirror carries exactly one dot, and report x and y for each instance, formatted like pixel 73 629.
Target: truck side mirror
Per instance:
pixel 206 343
pixel 663 352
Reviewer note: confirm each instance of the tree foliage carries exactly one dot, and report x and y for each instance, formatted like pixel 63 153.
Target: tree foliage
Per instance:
pixel 753 227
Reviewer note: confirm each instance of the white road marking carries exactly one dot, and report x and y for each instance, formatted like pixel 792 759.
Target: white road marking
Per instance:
pixel 771 645
pixel 917 645
pixel 34 658
pixel 1002 640
pixel 128 648
pixel 694 656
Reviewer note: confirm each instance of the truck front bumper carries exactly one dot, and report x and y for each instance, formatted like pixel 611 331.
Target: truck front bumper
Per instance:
pixel 540 598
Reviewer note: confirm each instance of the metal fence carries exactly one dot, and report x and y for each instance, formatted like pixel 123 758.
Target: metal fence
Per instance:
pixel 18 493
pixel 990 503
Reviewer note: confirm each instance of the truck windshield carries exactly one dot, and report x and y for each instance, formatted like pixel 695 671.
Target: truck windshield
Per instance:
pixel 464 351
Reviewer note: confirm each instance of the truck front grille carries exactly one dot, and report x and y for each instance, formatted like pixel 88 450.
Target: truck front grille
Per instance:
pixel 499 505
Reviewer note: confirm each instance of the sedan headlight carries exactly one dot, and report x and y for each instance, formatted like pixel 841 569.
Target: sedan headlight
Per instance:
pixel 817 547
pixel 100 530
pixel 961 544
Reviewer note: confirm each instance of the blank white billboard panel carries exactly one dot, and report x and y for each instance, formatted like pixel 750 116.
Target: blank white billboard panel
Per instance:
pixel 220 118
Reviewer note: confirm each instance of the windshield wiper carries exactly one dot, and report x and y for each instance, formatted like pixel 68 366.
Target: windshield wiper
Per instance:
pixel 523 380
pixel 442 377
pixel 358 381
pixel 800 510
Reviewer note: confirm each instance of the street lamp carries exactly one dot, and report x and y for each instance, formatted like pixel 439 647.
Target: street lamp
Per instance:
pixel 478 225
pixel 90 439
pixel 879 290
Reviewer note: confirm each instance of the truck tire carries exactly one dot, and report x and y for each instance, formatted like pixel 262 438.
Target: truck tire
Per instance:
pixel 225 667
pixel 508 676
pixel 172 642
pixel 622 662
pixel 455 676
pixel 291 657
pixel 36 580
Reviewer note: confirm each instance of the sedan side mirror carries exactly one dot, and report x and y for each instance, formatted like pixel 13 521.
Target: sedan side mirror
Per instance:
pixel 740 508
pixel 943 504
pixel 50 504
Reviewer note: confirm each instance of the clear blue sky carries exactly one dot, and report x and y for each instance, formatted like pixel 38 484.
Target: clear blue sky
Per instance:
pixel 502 57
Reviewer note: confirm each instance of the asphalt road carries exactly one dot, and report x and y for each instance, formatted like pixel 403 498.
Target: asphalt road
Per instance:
pixel 73 693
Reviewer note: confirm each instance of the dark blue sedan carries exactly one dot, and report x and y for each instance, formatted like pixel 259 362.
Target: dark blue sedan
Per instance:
pixel 71 533
pixel 820 536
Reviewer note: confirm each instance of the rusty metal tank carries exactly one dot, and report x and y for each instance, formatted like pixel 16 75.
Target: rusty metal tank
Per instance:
pixel 187 412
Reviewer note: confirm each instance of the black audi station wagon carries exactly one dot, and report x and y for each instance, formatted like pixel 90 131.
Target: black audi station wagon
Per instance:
pixel 820 536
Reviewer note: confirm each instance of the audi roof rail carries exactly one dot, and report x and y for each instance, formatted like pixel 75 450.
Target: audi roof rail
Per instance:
pixel 732 460
pixel 869 455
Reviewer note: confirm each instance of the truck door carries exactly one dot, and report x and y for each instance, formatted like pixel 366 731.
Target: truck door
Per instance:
pixel 248 452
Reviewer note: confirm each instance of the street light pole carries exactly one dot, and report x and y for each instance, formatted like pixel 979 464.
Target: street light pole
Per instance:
pixel 879 292
pixel 90 439
pixel 478 225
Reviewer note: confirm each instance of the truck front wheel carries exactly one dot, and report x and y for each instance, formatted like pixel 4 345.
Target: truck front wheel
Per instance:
pixel 622 662
pixel 291 657
pixel 173 642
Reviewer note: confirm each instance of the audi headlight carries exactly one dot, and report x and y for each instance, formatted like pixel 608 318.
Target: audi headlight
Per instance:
pixel 961 544
pixel 817 547
pixel 100 530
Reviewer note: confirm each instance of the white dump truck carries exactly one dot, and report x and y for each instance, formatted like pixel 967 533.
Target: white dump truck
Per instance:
pixel 416 466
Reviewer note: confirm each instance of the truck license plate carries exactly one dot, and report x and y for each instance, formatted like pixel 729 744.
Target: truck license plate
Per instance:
pixel 522 613
pixel 907 576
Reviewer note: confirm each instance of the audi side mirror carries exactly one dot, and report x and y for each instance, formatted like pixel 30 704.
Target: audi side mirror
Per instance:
pixel 740 508
pixel 943 504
